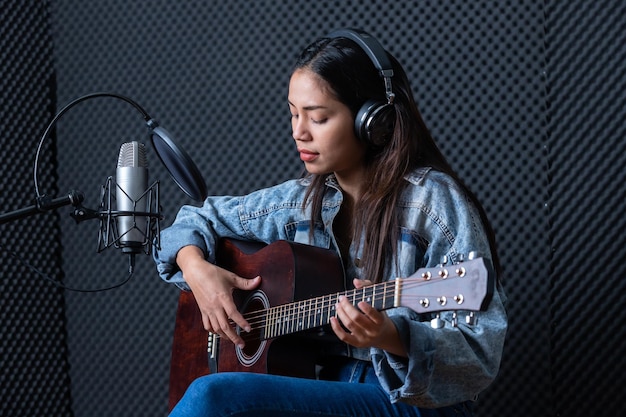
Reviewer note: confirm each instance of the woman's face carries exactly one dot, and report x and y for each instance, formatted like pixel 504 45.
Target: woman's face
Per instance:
pixel 323 128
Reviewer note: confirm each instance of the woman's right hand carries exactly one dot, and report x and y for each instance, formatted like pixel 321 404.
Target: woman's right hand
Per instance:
pixel 212 288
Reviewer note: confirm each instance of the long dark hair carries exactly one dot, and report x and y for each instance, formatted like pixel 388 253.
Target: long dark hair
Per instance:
pixel 408 144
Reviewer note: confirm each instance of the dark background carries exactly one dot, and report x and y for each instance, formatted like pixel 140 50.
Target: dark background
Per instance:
pixel 526 98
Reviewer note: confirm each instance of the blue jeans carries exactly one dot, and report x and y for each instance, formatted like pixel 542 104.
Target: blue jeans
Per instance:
pixel 353 392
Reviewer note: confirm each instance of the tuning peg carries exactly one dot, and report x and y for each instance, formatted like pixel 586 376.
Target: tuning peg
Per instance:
pixel 454 320
pixel 471 319
pixel 444 260
pixel 472 255
pixel 437 322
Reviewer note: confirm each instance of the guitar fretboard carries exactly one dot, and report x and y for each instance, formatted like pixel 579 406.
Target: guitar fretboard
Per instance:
pixel 315 312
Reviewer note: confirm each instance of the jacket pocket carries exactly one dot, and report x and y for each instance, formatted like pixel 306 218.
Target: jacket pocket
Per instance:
pixel 300 232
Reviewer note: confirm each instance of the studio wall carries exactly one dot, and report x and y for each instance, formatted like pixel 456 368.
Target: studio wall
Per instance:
pixel 34 365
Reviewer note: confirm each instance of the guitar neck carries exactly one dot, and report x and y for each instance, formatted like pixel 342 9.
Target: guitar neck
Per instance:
pixel 462 286
pixel 315 312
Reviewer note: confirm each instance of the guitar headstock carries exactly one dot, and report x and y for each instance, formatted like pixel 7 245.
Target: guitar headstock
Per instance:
pixel 460 286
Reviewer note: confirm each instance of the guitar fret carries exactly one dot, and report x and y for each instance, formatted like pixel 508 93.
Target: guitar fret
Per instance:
pixel 284 322
pixel 320 310
pixel 367 296
pixel 272 330
pixel 326 309
pixel 292 317
pixel 384 295
pixel 275 327
pixel 287 322
pixel 393 295
pixel 301 316
pixel 268 324
pixel 307 314
pixel 298 317
pixel 280 321
pixel 397 291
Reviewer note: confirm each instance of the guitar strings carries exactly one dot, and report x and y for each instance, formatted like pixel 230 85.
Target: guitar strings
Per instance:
pixel 323 307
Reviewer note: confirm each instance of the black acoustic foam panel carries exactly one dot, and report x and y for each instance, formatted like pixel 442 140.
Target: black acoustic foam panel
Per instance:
pixel 585 129
pixel 34 369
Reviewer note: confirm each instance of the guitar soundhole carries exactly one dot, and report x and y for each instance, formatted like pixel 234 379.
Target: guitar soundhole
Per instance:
pixel 255 343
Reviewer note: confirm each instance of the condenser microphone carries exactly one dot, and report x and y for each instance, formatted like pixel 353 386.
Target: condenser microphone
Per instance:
pixel 131 195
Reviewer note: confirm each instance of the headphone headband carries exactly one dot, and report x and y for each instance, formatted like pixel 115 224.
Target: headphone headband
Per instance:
pixel 374 51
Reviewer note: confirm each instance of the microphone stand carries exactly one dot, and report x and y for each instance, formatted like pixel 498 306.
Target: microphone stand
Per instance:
pixel 42 204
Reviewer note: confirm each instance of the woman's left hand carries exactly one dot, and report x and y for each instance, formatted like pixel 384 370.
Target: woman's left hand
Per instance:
pixel 365 327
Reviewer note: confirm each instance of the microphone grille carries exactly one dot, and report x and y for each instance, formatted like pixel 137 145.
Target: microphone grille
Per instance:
pixel 132 154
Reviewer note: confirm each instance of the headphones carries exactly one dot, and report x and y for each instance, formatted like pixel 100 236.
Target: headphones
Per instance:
pixel 369 125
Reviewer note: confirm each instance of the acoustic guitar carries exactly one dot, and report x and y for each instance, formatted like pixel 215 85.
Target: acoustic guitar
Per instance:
pixel 300 285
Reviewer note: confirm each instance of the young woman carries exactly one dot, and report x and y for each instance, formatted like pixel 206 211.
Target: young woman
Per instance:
pixel 378 191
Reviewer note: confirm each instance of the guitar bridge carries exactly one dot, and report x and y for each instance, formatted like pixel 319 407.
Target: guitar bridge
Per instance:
pixel 212 345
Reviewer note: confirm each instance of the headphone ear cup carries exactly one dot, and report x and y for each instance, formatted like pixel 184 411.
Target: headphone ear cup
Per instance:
pixel 374 123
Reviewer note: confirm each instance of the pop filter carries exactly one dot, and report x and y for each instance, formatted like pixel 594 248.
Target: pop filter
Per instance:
pixel 181 167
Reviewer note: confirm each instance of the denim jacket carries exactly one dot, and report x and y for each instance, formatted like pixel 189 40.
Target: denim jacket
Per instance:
pixel 446 365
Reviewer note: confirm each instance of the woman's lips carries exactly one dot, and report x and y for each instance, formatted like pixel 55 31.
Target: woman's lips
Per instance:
pixel 307 156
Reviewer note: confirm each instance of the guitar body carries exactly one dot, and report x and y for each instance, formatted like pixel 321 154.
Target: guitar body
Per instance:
pixel 189 346
pixel 289 272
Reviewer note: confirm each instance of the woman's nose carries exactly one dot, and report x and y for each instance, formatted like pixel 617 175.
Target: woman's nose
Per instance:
pixel 298 129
